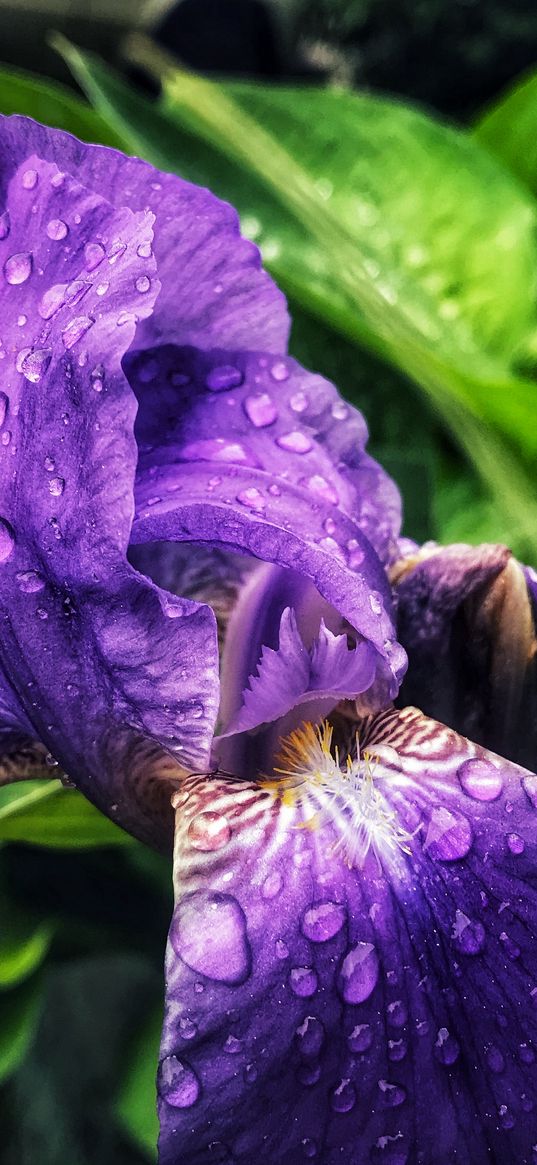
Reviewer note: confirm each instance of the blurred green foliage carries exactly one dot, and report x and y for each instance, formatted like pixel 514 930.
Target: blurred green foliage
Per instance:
pixel 408 251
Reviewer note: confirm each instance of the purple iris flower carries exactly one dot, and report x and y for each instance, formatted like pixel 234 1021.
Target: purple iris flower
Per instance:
pixel 197 561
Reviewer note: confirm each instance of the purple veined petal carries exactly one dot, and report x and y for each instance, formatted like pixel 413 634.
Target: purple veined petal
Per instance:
pixel 213 288
pixel 466 620
pixel 292 676
pixel 116 677
pixel 379 1002
pixel 208 473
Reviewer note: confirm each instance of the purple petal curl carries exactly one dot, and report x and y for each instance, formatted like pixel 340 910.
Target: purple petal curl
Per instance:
pixel 331 1004
pixel 89 649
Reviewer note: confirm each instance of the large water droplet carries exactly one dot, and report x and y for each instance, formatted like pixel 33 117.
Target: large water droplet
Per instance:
pixel 7 540
pixel 360 1038
pixel 359 973
pixel 303 981
pixel 216 449
pixel 52 300
pixel 295 442
pixel 253 499
pixel 468 934
pixel 446 1048
pixel 318 485
pixel 18 268
pixel 222 378
pixel 343 1097
pixel 209 831
pixel 310 1037
pixel 279 371
pixel 397 1013
pixel 480 779
pixel 56 486
pixel 260 410
pixel 35 364
pixel 392 1094
pixel 143 283
pixel 30 582
pixel 339 410
pixel 397 1050
pixel 93 255
pixel 323 922
pixel 75 330
pixel 57 229
pixel 299 402
pixel 529 785
pixel 209 934
pixel 187 1028
pixel 449 835
pixel 178 1084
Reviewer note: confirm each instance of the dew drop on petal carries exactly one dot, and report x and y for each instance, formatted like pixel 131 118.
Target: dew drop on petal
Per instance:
pixel 187 1028
pixel 52 300
pixel 279 371
pixel 34 364
pixel 5 225
pixel 76 330
pixel 144 250
pixel 397 1013
pixel 446 1048
pixel 309 1037
pixel 93 255
pixel 359 973
pixel 375 602
pixel 281 948
pixel 30 179
pixel 18 268
pixel 178 1084
pixel 343 1097
pixel 360 1038
pixel 529 785
pixel 4 406
pixel 449 835
pixel 7 540
pixel 57 229
pixel 507 1119
pixel 295 442
pixel 392 1095
pixel 208 832
pixel 468 934
pixel 223 378
pixel 480 780
pixel 252 499
pixel 397 1050
pixel 309 1074
pixel 250 1074
pixel 232 1046
pixel 322 922
pixel 56 486
pixel 299 402
pixel 515 843
pixel 30 582
pixel 309 1148
pixel 209 934
pixel 303 981
pixel 272 885
pixel 143 283
pixel 339 410
pixel 260 410
pixel 318 485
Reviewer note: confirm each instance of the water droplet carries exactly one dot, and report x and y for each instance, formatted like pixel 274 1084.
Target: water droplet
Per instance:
pixel 392 1094
pixel 446 1048
pixel 274 490
pixel 495 1060
pixel 515 843
pixel 397 1013
pixel 50 464
pixel 355 554
pixel 526 1054
pixel 7 540
pixel 310 1037
pixel 116 251
pixel 102 288
pixel 511 949
pixel 303 981
pixel 480 779
pixel 187 1028
pixel 5 225
pixel 57 229
pixel 6 437
pixel 323 922
pixel 318 485
pixel 52 300
pixel 507 1119
pixel 309 1147
pixel 178 1084
pixel 143 283
pixel 75 330
pixel 30 582
pixel 252 499
pixel 209 934
pixel 144 250
pixel 339 410
pixel 222 378
pixel 56 486
pixel 375 602
pixel 260 410
pixel 272 885
pixel 18 268
pixel 4 406
pixel 360 1038
pixel 22 321
pixel 250 1073
pixel 279 371
pixel 343 1097
pixel 529 784
pixel 295 442
pixel 233 1046
pixel 281 948
pixel 390 1150
pixel 30 179
pixel 299 402
pixel 41 613
pixel 397 1050
pixel 208 832
pixel 216 449
pixel 35 364
pixel 359 973
pixel 449 836
pixel 309 1074
pixel 468 935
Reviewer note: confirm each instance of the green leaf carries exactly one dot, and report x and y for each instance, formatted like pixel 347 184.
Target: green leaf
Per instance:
pixel 136 1104
pixel 53 105
pixel 19 1015
pixel 508 129
pixel 401 233
pixel 44 813
pixel 23 943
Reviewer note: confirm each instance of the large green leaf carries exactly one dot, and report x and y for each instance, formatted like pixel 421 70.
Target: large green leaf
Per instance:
pixel 24 943
pixel 44 813
pixel 19 1014
pixel 508 129
pixel 54 105
pixel 401 233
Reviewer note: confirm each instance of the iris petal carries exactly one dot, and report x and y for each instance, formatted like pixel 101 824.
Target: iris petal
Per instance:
pixel 331 1003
